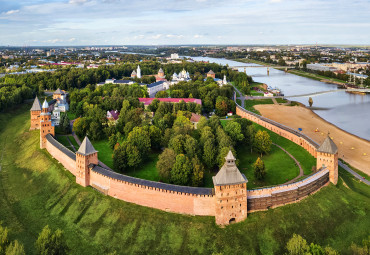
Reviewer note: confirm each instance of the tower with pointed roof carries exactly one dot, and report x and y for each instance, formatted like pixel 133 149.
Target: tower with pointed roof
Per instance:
pixel 211 74
pixel 161 73
pixel 46 126
pixel 230 193
pixel 327 156
pixel 138 72
pixel 85 156
pixel 35 114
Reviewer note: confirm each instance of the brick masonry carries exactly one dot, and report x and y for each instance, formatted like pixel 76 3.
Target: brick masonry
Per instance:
pixel 197 203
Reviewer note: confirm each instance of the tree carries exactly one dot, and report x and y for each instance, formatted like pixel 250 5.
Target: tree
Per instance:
pixel 119 159
pixel 297 245
pixel 133 155
pixel 203 122
pixel 177 144
pixel 181 171
pixel 155 136
pixel 80 126
pixel 221 106
pixel 15 248
pixel 161 94
pixel 165 163
pixel 4 242
pixel 198 172
pixel 141 139
pixel 209 153
pixel 49 243
pixel 310 101
pixel 191 146
pixel 259 169
pixel 262 142
pixel 234 130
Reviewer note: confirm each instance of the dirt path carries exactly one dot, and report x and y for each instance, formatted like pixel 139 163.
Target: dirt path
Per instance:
pixel 352 149
pixel 296 162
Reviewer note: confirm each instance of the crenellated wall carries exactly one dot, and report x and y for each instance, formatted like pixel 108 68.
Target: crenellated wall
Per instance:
pixel 284 131
pixel 66 157
pixel 194 200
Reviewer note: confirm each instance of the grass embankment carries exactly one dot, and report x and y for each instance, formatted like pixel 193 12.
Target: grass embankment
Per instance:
pixel 35 190
pixel 248 104
pixel 314 76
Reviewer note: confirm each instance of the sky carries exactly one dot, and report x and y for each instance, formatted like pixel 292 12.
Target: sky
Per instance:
pixel 171 22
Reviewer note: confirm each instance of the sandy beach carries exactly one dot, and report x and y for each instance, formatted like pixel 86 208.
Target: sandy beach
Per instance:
pixel 352 149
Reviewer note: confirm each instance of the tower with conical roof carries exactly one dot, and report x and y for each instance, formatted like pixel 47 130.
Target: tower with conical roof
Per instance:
pixel 211 74
pixel 35 114
pixel 327 156
pixel 46 126
pixel 230 193
pixel 85 156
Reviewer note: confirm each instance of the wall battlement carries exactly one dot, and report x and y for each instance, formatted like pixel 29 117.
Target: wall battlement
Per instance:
pixel 197 200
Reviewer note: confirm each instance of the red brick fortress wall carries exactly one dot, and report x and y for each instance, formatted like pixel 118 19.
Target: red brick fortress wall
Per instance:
pixel 284 131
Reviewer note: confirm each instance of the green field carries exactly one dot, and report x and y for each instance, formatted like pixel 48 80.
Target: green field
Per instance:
pixel 35 190
pixel 248 104
pixel 314 76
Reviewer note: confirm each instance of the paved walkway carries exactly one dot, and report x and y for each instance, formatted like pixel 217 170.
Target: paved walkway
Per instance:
pixel 356 175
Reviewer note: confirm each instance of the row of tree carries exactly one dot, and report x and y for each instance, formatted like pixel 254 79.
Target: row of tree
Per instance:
pixel 47 243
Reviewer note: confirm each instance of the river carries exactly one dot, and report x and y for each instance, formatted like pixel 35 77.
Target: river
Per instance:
pixel 347 111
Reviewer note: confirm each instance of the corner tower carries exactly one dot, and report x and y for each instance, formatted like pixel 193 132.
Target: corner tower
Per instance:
pixel 231 193
pixel 85 156
pixel 35 114
pixel 46 126
pixel 327 156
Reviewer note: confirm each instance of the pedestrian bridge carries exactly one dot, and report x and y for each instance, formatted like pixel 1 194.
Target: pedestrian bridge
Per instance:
pixel 330 91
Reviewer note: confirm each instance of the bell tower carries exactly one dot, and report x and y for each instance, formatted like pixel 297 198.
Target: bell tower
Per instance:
pixel 85 156
pixel 46 126
pixel 327 156
pixel 230 192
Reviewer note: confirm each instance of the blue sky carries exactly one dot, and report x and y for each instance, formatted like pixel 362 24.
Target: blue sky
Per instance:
pixel 155 22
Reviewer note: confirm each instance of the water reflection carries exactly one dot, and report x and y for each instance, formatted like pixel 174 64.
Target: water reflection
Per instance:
pixel 350 112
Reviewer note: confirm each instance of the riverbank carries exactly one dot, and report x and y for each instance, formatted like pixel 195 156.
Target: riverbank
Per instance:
pixel 352 149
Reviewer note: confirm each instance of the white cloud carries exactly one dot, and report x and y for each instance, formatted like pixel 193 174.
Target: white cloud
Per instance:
pixel 198 36
pixel 71 39
pixel 275 1
pixel 157 36
pixel 77 1
pixel 11 12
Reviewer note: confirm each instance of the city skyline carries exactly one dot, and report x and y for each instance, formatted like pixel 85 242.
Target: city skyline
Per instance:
pixel 106 22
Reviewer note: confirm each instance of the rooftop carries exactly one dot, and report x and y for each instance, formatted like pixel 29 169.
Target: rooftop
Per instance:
pixel 328 146
pixel 86 147
pixel 36 105
pixel 148 101
pixel 229 174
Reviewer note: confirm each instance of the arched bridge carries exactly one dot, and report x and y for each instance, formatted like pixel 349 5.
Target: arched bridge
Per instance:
pixel 260 66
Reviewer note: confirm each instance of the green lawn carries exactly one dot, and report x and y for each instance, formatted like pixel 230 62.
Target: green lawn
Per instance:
pixel 35 190
pixel 280 168
pixel 73 141
pixel 248 104
pixel 314 76
pixel 255 93
pixel 64 140
pixel 280 100
pixel 105 153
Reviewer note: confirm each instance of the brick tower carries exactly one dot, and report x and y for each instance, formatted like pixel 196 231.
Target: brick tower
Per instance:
pixel 161 73
pixel 231 193
pixel 327 156
pixel 46 126
pixel 211 74
pixel 35 114
pixel 85 156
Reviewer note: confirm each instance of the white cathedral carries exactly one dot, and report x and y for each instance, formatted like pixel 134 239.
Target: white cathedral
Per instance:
pixel 136 73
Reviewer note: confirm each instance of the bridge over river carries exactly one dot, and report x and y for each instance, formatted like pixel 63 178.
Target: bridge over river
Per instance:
pixel 330 91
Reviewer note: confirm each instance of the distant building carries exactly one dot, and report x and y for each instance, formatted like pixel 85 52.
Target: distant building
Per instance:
pixel 211 74
pixel 114 81
pixel 112 115
pixel 138 72
pixel 61 98
pixel 320 67
pixel 148 101
pixel 155 87
pixel 55 117
pixel 175 56
pixel 182 76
